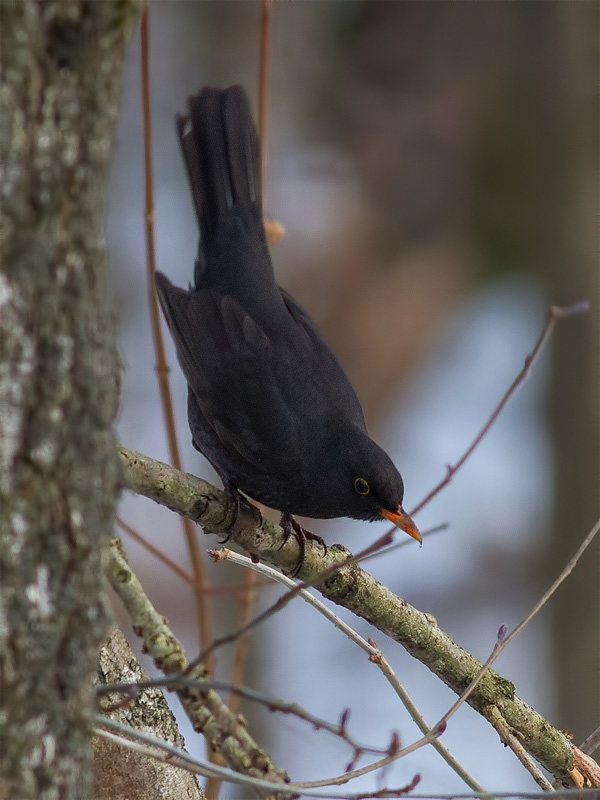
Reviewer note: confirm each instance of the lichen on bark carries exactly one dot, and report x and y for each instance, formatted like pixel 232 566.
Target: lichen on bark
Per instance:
pixel 59 473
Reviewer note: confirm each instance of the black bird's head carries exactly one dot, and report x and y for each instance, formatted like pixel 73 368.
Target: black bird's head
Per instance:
pixel 369 484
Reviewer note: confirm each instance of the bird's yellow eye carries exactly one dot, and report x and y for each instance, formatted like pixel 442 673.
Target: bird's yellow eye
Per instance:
pixel 361 486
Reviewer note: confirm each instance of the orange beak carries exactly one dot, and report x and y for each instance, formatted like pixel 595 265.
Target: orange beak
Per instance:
pixel 403 521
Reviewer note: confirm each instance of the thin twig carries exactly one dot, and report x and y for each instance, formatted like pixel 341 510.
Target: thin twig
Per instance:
pixel 241 649
pixel 504 640
pixel 289 596
pixel 145 743
pixel 420 722
pixel 200 583
pixel 225 554
pixel 182 759
pixel 340 780
pixel 495 718
pixel 555 314
pixel 155 551
pixel 151 747
pixel 406 542
pixel 231 589
pixel 240 655
pixel 591 742
pixel 339 729
pixel 369 647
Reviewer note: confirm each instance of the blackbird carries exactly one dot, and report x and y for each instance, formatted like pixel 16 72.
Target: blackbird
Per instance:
pixel 268 403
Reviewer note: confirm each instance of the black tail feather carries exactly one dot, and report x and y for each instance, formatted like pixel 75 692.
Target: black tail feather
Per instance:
pixel 220 148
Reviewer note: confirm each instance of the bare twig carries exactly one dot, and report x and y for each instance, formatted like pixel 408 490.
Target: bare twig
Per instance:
pixel 149 745
pixel 369 647
pixel 289 596
pixel 200 583
pixel 555 314
pixel 504 640
pixel 231 589
pixel 338 729
pixel 406 542
pixel 241 650
pixel 164 559
pixel 591 742
pixel 379 659
pixel 496 719
pixel 397 754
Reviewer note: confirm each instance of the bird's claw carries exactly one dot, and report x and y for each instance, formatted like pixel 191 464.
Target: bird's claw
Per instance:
pixel 232 512
pixel 292 528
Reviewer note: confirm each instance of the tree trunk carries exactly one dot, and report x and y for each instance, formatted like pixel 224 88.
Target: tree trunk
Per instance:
pixel 119 773
pixel 59 472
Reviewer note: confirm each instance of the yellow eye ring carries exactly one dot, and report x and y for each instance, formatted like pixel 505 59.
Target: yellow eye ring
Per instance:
pixel 361 486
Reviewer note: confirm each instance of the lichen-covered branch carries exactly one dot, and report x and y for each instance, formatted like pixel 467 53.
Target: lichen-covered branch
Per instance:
pixel 358 591
pixel 59 474
pixel 224 731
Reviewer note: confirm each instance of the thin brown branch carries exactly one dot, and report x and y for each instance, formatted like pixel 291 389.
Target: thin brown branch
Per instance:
pixel 384 794
pixel 286 598
pixel 499 724
pixel 231 589
pixel 168 562
pixel 555 314
pixel 146 744
pixel 241 649
pixel 383 664
pixel 381 764
pixel 200 583
pixel 338 729
pixel 375 656
pixel 406 542
pixel 504 640
pixel 591 742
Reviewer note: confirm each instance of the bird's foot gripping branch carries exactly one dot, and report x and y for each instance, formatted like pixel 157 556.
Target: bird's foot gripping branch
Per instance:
pixel 209 507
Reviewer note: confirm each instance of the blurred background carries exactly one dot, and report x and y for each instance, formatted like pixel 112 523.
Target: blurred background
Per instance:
pixel 435 166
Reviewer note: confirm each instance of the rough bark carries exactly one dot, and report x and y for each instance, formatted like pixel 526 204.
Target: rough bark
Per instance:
pixel 59 472
pixel 120 774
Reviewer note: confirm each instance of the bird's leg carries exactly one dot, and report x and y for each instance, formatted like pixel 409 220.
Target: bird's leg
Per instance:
pixel 292 528
pixel 233 508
